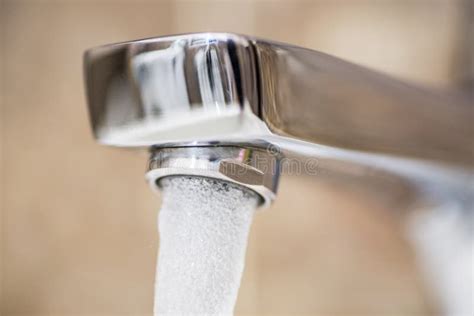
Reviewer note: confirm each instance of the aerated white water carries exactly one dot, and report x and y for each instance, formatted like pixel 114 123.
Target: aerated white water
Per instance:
pixel 203 225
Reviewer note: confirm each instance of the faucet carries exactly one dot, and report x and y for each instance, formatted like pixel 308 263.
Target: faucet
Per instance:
pixel 232 107
pixel 235 91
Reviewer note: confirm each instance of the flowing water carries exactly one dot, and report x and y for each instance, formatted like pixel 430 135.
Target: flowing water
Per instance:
pixel 203 225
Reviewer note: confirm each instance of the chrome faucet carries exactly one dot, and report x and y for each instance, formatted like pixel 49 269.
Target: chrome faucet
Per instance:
pixel 221 89
pixel 210 104
pixel 214 87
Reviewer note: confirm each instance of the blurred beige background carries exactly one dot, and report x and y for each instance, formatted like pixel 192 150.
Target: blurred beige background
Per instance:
pixel 78 234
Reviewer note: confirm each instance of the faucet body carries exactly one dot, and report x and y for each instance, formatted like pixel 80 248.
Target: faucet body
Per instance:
pixel 210 88
pixel 232 107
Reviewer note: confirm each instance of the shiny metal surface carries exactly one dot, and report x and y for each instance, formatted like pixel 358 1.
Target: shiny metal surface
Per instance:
pixel 315 97
pixel 173 89
pixel 253 168
pixel 221 87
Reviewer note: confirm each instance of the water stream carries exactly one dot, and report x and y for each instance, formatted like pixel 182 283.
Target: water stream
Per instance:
pixel 203 225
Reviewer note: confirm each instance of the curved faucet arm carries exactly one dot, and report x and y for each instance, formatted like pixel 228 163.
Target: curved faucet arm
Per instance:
pixel 220 87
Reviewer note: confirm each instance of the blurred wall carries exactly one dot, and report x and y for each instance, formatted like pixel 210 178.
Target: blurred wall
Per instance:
pixel 78 230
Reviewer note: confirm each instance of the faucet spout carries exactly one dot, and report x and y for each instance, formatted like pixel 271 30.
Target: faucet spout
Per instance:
pixel 221 87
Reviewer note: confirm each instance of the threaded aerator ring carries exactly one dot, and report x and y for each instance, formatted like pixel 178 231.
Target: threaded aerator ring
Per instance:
pixel 253 168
